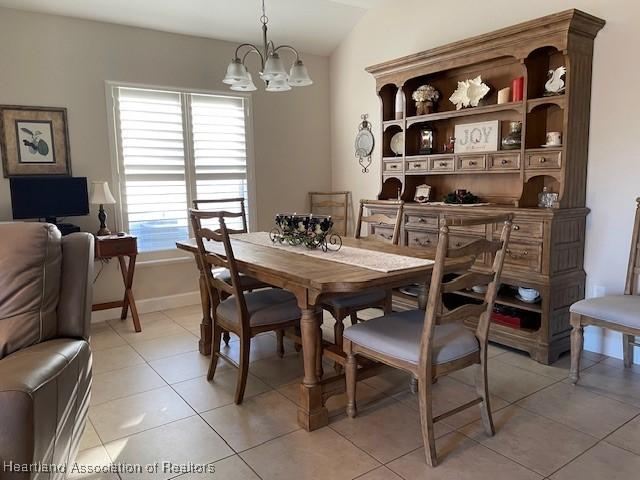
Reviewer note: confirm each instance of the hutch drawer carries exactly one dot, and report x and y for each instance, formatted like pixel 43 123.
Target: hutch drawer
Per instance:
pixel 523 257
pixel 479 230
pixel 457 241
pixel 504 161
pixel 422 221
pixel 441 164
pixel 544 159
pixel 417 165
pixel 393 166
pixel 471 162
pixel 521 229
pixel 422 239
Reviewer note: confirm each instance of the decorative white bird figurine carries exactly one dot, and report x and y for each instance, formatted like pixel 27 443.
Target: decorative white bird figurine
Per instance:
pixel 555 83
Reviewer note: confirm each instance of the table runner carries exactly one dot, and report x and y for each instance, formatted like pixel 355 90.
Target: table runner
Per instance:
pixel 359 257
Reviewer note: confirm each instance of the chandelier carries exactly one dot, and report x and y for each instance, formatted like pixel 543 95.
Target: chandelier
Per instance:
pixel 273 71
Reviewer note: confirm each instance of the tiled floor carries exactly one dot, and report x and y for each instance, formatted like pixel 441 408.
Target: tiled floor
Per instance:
pixel 151 403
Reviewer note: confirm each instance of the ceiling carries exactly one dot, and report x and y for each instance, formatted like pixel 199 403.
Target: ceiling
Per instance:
pixel 312 26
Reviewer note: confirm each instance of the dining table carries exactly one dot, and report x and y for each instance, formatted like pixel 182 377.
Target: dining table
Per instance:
pixel 312 279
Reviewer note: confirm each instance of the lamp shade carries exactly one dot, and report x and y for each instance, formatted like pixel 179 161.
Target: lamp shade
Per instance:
pixel 278 85
pixel 244 85
pixel 274 68
pixel 236 72
pixel 100 194
pixel 299 76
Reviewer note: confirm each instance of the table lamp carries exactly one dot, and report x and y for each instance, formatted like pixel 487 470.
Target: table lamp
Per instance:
pixel 101 195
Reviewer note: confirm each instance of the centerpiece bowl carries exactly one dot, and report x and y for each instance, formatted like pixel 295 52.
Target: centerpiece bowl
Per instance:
pixel 311 231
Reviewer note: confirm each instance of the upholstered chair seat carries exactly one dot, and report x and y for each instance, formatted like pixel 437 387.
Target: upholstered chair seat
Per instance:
pixel 246 282
pixel 398 335
pixel 619 309
pixel 264 307
pixel 356 301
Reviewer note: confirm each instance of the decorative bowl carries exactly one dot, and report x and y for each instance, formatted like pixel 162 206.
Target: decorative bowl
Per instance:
pixel 306 229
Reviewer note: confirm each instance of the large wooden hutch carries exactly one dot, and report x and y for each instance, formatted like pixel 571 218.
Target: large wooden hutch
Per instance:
pixel 547 246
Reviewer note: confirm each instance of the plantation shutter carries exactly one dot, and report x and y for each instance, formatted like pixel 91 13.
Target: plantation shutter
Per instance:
pixel 154 194
pixel 219 150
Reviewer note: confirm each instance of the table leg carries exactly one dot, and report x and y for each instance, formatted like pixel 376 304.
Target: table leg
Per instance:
pixel 312 414
pixel 129 301
pixel 204 345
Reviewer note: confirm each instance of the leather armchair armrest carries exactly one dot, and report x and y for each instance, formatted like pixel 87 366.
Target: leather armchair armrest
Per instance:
pixel 76 291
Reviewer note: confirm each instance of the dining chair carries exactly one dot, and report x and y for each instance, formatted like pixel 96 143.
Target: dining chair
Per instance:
pixel 246 314
pixel 432 343
pixel 335 204
pixel 620 313
pixel 343 306
pixel 247 283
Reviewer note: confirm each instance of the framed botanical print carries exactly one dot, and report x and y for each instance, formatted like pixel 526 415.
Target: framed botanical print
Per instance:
pixel 34 141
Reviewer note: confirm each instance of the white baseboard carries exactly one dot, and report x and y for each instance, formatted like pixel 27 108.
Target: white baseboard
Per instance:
pixel 148 305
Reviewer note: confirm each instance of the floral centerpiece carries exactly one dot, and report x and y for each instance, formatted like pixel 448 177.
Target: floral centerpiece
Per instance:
pixel 425 97
pixel 311 231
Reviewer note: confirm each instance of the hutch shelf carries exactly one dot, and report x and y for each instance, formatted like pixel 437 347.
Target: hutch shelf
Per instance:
pixel 547 246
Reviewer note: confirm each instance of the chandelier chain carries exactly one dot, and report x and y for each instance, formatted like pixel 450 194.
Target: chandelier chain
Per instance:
pixel 264 19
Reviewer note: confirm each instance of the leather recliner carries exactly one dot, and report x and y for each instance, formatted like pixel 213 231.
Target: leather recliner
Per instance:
pixel 45 359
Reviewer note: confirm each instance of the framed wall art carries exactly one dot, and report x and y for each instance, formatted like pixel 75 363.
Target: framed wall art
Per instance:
pixel 477 137
pixel 34 141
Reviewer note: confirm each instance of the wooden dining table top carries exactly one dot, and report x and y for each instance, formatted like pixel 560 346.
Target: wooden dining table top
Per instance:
pixel 319 274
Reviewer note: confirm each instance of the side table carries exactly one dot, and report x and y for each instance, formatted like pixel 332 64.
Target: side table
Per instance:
pixel 110 246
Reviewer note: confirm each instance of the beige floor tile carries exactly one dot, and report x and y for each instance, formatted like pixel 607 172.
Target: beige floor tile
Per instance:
pixel 167 346
pixel 203 395
pixel 182 442
pixel 130 415
pixel 115 358
pixel 539 444
pixel 89 438
pixel 460 458
pixel 604 461
pixel 154 325
pixel 380 473
pixel 613 382
pixel 506 381
pixel 231 468
pixel 182 312
pixel 262 347
pixel 385 430
pixel 276 371
pixel 494 350
pixel 390 382
pixel 257 420
pixel 318 455
pixel 580 409
pixel 627 437
pixel 104 337
pixel 448 394
pixel 92 460
pixel 336 404
pixel 618 363
pixel 558 370
pixel 123 383
pixel 181 367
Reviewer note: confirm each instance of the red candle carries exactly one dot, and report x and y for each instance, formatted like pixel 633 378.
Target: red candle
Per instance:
pixel 517 89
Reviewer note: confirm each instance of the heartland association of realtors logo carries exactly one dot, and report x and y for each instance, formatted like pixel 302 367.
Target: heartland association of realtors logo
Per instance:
pixel 119 468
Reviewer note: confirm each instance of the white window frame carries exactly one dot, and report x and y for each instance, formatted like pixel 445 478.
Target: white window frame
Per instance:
pixel 117 157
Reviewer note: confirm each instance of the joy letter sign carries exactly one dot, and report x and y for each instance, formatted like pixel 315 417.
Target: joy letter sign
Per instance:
pixel 477 137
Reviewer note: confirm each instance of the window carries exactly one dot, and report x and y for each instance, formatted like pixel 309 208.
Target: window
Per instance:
pixel 172 147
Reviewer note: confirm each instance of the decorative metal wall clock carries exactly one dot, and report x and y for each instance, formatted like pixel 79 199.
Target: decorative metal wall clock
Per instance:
pixel 364 143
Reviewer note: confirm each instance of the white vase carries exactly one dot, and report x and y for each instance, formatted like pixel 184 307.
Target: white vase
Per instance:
pixel 399 108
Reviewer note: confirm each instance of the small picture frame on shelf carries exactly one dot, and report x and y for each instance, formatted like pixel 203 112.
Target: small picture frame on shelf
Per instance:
pixel 477 137
pixel 423 193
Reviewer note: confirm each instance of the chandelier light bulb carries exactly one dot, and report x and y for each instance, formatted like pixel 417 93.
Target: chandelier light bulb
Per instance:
pixel 299 76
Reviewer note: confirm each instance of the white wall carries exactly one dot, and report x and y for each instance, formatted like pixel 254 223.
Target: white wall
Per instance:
pixel 401 27
pixel 56 61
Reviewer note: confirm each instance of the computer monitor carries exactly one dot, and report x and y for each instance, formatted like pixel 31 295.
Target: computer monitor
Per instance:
pixel 48 197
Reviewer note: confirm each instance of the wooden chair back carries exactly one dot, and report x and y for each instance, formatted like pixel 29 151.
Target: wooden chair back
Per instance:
pixel 228 204
pixel 460 261
pixel 335 204
pixel 380 219
pixel 633 270
pixel 209 260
